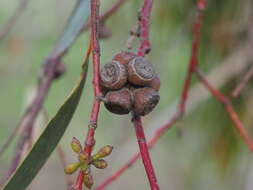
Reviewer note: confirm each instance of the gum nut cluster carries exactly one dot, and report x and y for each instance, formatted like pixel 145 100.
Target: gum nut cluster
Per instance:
pixel 129 83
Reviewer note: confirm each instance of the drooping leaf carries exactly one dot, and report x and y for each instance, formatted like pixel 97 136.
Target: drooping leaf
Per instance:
pixel 77 20
pixel 48 140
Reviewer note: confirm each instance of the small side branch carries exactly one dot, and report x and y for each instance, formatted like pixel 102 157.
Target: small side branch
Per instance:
pixel 237 91
pixel 229 108
pixel 33 110
pixel 193 64
pixel 144 22
pixel 13 19
pixel 107 14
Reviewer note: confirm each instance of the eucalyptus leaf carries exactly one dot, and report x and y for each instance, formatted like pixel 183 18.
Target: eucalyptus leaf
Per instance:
pixel 48 140
pixel 73 28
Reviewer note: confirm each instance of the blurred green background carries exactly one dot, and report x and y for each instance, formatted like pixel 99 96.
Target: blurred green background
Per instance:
pixel 202 152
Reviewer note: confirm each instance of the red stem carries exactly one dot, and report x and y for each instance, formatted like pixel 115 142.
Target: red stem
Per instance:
pixel 193 64
pixel 90 140
pixel 157 135
pixel 108 13
pixel 144 48
pixel 144 21
pixel 237 91
pixel 229 108
pixel 111 10
pixel 79 182
pixel 145 153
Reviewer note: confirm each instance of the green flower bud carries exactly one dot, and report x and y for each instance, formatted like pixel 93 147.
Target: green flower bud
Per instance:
pixel 76 145
pixel 88 180
pixel 71 168
pixel 103 152
pixel 100 164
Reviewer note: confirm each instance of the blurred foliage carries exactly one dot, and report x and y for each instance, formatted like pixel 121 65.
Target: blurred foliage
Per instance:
pixel 208 155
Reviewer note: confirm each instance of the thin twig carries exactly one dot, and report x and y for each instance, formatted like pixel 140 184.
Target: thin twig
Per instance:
pixel 33 110
pixel 9 140
pixel 237 91
pixel 144 22
pixel 13 19
pixel 145 153
pixel 90 141
pixel 157 135
pixel 194 55
pixel 228 107
pixel 107 14
pixel 111 10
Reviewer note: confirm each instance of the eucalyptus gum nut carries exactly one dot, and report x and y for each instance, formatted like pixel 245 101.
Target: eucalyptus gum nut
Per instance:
pixel 140 71
pixel 124 57
pixel 113 75
pixel 145 100
pixel 155 83
pixel 119 102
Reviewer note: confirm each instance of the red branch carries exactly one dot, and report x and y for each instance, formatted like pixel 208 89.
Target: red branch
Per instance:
pixel 144 21
pixel 157 135
pixel 145 153
pixel 90 141
pixel 193 64
pixel 108 13
pixel 229 108
pixel 111 10
pixel 237 91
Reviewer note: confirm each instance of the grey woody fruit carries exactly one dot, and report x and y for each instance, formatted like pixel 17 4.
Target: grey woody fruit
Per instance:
pixel 113 75
pixel 119 102
pixel 144 100
pixel 140 71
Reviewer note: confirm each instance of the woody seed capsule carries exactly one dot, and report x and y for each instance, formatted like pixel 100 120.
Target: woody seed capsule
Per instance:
pixel 113 75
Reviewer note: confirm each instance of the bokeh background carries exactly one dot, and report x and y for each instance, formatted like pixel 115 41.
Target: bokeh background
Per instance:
pixel 201 152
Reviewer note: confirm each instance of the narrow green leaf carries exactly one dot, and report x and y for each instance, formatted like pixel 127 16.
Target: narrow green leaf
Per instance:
pixel 48 140
pixel 72 30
